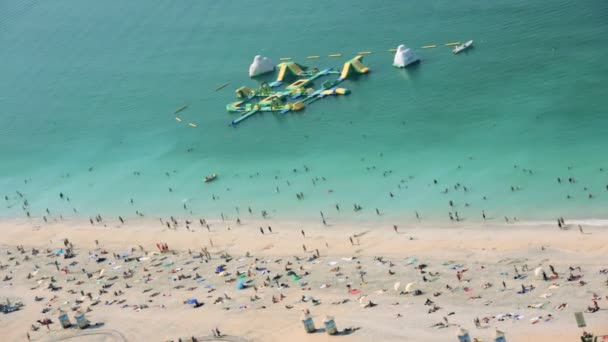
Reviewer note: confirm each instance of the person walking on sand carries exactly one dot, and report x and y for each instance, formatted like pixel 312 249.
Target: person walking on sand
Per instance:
pixel 303 234
pixel 580 229
pixel 553 270
pixel 395 228
pixel 262 230
pixel 351 240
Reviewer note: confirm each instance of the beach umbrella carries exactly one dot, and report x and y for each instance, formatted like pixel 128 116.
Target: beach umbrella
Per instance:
pixel 363 300
pixel 538 272
pixel 191 301
pixel 397 286
pixel 409 287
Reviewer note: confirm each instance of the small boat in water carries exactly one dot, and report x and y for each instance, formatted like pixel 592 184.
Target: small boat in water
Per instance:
pixel 462 47
pixel 210 178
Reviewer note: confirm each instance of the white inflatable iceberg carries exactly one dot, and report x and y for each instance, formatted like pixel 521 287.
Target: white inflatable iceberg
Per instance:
pixel 404 57
pixel 260 65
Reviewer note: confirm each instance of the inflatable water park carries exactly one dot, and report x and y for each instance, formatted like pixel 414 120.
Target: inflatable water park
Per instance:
pixel 297 86
pixel 294 96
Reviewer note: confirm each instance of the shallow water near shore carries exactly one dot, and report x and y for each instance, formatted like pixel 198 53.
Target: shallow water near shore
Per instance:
pixel 93 86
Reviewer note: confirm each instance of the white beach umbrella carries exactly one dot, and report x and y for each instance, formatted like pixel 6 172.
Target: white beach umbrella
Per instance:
pixel 397 286
pixel 538 272
pixel 409 287
pixel 363 300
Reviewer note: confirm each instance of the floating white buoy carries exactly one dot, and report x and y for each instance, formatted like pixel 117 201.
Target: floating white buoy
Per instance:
pixel 260 65
pixel 404 57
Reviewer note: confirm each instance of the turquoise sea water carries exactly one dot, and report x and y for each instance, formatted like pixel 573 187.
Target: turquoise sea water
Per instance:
pixel 94 84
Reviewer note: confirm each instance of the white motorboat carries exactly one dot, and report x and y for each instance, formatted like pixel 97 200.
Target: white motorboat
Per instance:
pixel 462 47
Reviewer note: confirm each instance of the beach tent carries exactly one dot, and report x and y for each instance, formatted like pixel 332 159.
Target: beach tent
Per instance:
pixel 463 335
pixel 81 321
pixel 330 325
pixel 64 320
pixel 309 324
pixel 499 336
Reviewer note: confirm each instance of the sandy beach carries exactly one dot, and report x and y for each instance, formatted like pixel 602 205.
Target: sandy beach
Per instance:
pixel 121 279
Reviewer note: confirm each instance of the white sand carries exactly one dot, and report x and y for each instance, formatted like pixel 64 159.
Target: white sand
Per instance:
pixel 496 247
